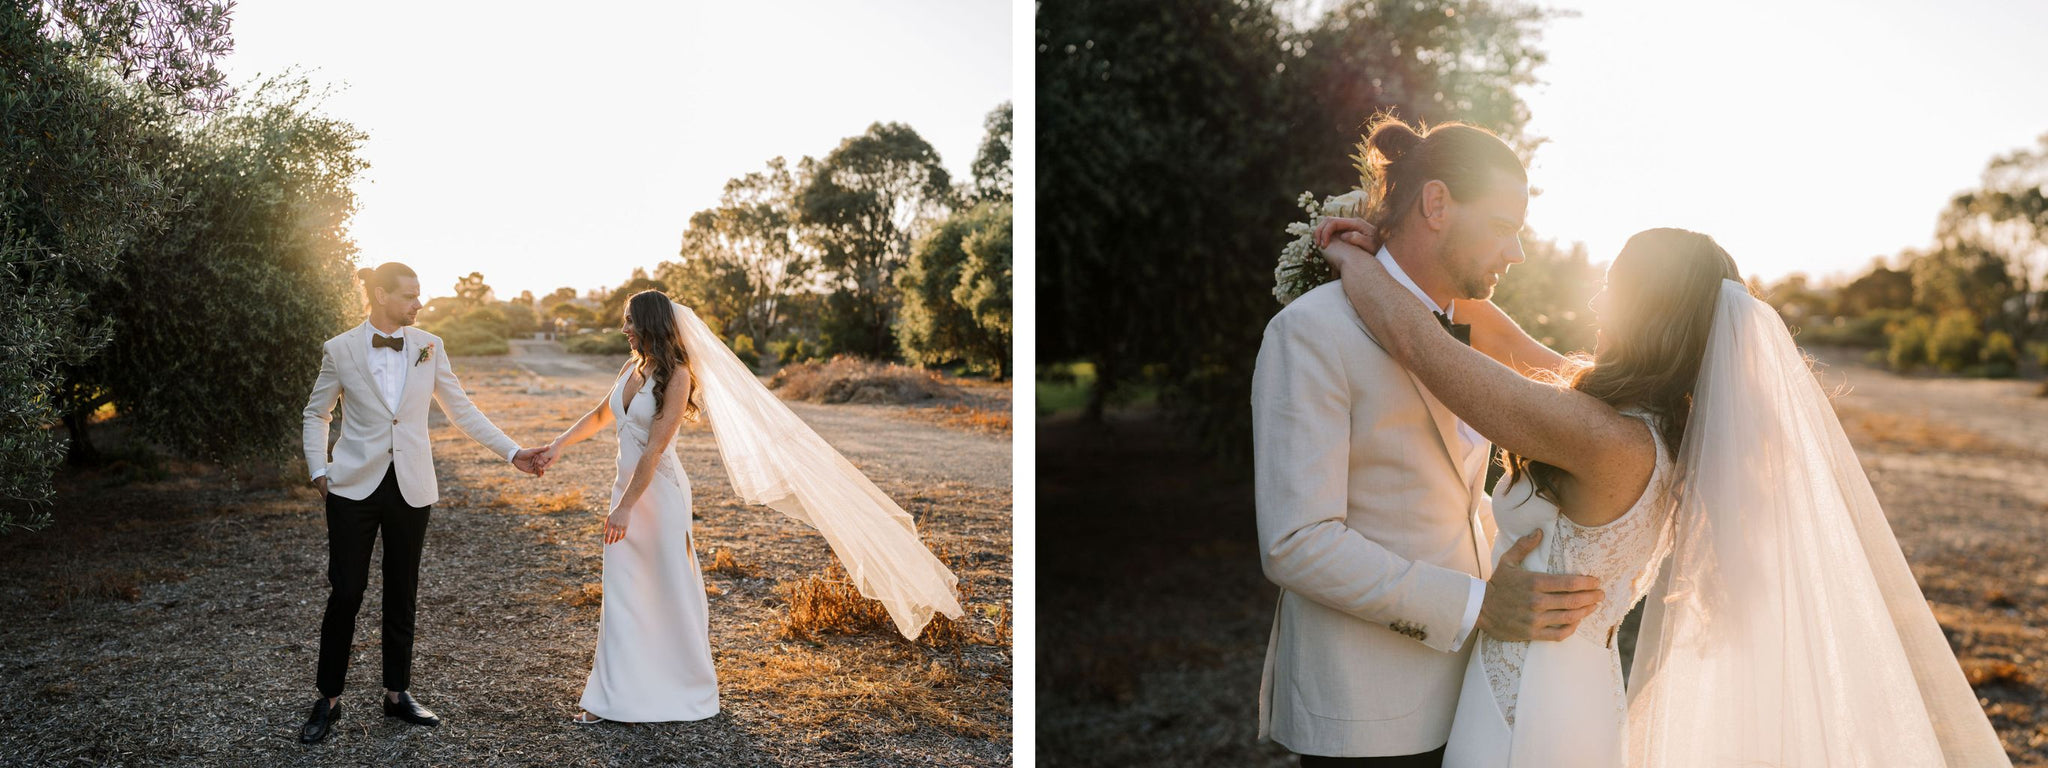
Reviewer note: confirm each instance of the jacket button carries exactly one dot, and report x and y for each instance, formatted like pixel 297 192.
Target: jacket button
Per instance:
pixel 387 450
pixel 394 421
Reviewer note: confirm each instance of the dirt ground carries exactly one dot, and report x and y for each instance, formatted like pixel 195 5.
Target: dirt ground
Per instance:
pixel 170 615
pixel 1153 614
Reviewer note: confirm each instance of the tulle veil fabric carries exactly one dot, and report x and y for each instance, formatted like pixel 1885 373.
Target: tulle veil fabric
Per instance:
pixel 775 460
pixel 1786 628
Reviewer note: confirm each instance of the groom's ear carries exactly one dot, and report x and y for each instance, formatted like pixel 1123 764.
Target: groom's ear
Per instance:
pixel 1435 202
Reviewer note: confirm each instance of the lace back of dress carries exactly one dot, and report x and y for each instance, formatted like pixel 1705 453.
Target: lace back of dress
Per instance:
pixel 1622 554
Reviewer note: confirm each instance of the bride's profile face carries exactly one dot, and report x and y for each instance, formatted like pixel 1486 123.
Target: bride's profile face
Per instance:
pixel 632 335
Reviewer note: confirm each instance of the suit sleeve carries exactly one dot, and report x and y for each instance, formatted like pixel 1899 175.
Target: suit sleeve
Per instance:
pixel 448 392
pixel 1302 443
pixel 319 410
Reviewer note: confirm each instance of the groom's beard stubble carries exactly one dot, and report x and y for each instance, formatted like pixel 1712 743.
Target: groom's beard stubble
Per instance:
pixel 1470 283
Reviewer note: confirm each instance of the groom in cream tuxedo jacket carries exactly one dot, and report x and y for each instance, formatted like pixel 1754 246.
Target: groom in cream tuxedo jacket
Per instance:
pixel 1372 512
pixel 380 477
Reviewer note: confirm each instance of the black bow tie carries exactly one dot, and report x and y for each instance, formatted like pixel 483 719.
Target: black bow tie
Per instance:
pixel 1463 333
pixel 395 343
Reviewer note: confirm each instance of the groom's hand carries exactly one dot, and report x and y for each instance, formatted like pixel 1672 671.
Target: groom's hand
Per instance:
pixel 527 462
pixel 321 483
pixel 1523 605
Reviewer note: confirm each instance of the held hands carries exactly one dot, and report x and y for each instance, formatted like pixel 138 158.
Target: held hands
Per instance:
pixel 1352 231
pixel 1523 605
pixel 535 461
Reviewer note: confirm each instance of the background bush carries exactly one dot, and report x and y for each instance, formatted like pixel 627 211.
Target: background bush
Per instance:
pixel 1955 342
pixel 606 342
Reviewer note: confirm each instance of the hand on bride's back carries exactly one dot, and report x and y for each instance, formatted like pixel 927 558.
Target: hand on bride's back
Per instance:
pixel 1524 605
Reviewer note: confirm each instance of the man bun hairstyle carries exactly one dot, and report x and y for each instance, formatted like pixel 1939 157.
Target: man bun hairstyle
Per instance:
pixel 385 276
pixel 1395 160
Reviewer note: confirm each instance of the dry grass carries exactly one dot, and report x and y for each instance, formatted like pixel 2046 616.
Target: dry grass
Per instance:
pixel 724 563
pixel 973 417
pixel 1989 672
pixel 829 603
pixel 848 379
pixel 583 596
pixel 1906 432
pixel 837 693
pixel 521 503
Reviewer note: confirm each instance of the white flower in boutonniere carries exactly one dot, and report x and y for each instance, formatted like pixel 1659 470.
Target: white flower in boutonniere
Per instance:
pixel 426 353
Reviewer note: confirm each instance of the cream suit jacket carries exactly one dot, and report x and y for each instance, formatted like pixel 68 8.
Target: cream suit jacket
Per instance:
pixel 1373 520
pixel 373 436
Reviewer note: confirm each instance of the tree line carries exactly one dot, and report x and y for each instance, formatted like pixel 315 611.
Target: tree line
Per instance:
pixel 872 250
pixel 1973 303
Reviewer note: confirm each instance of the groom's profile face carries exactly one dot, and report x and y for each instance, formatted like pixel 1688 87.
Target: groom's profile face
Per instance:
pixel 401 305
pixel 1485 236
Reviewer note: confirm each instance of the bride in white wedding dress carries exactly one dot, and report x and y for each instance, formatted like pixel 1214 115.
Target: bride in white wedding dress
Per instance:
pixel 653 661
pixel 1693 460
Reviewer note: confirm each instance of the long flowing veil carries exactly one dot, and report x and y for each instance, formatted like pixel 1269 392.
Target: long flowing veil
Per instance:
pixel 776 460
pixel 1786 629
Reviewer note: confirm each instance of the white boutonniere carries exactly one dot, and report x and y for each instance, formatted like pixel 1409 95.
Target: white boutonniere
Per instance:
pixel 426 353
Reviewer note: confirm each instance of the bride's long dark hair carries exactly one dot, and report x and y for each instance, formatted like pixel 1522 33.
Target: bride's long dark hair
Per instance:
pixel 660 351
pixel 1663 288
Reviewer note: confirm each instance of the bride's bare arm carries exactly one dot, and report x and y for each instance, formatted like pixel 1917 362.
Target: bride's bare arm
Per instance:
pixel 1562 427
pixel 1494 334
pixel 1501 338
pixel 599 417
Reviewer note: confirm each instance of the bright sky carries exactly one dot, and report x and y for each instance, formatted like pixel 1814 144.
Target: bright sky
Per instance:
pixel 548 145
pixel 1804 136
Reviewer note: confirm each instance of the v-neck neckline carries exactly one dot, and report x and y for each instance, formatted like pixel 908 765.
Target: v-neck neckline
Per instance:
pixel 626 402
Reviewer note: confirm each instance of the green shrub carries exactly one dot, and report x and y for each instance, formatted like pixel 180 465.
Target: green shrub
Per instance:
pixel 2000 358
pixel 743 348
pixel 597 343
pixel 475 340
pixel 1955 342
pixel 491 319
pixel 2038 350
pixel 793 350
pixel 1866 332
pixel 1909 342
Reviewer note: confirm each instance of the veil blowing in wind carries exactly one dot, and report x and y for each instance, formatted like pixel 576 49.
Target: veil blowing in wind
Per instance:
pixel 775 460
pixel 1786 628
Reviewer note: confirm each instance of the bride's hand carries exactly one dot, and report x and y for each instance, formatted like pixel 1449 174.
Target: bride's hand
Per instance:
pixel 615 525
pixel 1355 232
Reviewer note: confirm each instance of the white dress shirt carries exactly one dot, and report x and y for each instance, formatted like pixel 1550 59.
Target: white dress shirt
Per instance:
pixel 387 365
pixel 1478 594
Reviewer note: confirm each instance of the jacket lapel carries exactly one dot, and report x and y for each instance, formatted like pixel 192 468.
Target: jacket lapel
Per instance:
pixel 361 358
pixel 1446 423
pixel 1458 456
pixel 419 374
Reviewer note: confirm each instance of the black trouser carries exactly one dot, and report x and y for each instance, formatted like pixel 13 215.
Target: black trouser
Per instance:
pixel 351 533
pixel 1433 759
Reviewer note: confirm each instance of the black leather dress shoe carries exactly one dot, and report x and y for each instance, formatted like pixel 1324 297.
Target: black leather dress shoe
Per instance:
pixel 320 723
pixel 410 711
